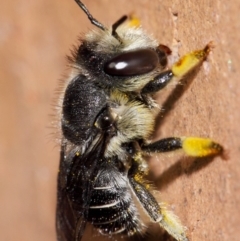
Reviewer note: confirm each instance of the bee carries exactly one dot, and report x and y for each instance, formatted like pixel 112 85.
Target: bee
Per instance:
pixel 107 118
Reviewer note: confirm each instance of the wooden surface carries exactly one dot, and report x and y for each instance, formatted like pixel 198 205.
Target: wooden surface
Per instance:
pixel 35 36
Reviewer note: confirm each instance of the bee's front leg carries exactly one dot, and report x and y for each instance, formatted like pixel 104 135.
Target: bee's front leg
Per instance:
pixel 183 66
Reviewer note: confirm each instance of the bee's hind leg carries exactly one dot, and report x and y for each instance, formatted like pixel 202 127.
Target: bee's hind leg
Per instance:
pixel 158 213
pixel 192 146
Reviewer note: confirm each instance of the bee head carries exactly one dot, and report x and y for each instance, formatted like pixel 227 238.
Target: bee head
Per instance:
pixel 120 55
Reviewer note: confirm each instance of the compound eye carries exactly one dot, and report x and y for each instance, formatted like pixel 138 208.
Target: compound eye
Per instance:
pixel 137 62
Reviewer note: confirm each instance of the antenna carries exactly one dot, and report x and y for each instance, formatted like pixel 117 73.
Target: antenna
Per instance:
pixel 90 17
pixel 116 25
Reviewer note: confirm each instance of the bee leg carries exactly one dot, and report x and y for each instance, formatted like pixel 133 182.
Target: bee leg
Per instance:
pixel 192 146
pixel 183 66
pixel 158 213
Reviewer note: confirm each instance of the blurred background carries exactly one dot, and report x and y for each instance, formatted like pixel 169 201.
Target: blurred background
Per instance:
pixel 35 37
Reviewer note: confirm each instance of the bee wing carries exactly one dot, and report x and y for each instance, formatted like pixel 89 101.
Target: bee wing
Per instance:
pixel 70 225
pixel 75 184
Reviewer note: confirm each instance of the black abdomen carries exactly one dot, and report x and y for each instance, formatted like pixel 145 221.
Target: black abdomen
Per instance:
pixel 111 208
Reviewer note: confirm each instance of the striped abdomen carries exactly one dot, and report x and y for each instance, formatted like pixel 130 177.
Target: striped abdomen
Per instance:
pixel 111 208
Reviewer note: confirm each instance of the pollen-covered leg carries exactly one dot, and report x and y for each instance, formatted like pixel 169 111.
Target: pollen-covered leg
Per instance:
pixel 192 146
pixel 178 70
pixel 157 213
pixel 171 223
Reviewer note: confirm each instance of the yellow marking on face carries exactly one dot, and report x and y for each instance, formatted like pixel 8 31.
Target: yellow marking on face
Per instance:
pixel 191 60
pixel 200 147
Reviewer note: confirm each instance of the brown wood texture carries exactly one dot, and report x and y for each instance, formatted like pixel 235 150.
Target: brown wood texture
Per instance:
pixel 35 36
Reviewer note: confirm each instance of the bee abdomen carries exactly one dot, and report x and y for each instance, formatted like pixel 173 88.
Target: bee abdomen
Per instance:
pixel 111 210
